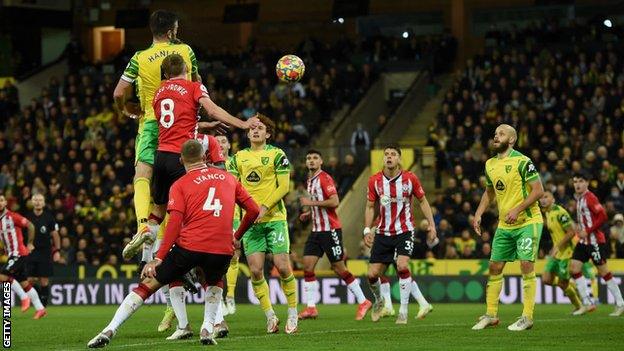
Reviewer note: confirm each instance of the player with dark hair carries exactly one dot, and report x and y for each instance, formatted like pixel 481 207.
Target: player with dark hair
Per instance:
pixel 592 246
pixel 394 189
pixel 14 271
pixel 199 234
pixel 326 237
pixel 264 171
pixel 47 243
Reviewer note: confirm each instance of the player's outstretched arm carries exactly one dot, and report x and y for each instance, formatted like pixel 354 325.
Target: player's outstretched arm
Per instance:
pixel 537 190
pixel 216 112
pixel 486 199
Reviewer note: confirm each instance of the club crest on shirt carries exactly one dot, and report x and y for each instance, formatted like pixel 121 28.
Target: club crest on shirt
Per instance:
pixel 253 177
pixel 265 160
pixel 406 188
pixel 43 229
pixel 508 168
pixel 500 185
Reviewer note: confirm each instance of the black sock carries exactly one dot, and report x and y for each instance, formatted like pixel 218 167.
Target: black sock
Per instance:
pixel 44 293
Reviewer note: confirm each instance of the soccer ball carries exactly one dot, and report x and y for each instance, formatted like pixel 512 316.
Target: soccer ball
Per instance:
pixel 289 68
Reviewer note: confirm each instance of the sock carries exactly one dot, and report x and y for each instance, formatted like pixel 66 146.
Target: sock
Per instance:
pixel 384 288
pixel 492 295
pixel 178 296
pixel 614 289
pixel 146 254
pixel 160 234
pixel 18 289
pixel 167 294
pixel 219 316
pixel 581 286
pixel 261 290
pixel 231 276
pixel 354 286
pixel 44 294
pixel 289 286
pixel 141 201
pixel 571 293
pixel 34 297
pixel 405 286
pixel 529 286
pixel 375 287
pixel 418 295
pixel 211 306
pixel 310 288
pixel 555 281
pixel 128 306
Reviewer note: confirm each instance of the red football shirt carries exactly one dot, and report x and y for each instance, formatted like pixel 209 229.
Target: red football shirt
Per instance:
pixel 206 197
pixel 176 106
pixel 212 149
pixel 11 225
pixel 321 187
pixel 395 201
pixel 591 216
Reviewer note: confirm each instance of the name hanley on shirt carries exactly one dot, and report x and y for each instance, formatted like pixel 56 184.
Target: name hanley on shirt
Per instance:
pixel 204 177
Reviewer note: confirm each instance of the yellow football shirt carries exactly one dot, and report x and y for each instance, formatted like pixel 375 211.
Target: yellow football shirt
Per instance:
pixel 144 69
pixel 558 221
pixel 229 166
pixel 510 178
pixel 257 171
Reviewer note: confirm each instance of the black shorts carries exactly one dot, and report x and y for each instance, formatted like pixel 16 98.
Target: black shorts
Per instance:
pixel 329 243
pixel 167 169
pixel 387 248
pixel 16 268
pixel 598 253
pixel 179 261
pixel 40 268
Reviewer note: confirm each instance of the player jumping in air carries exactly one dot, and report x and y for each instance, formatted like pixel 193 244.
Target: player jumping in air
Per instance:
pixel 514 183
pixel 264 171
pixel 592 246
pixel 563 235
pixel 199 233
pixel 394 188
pixel 326 237
pixel 14 271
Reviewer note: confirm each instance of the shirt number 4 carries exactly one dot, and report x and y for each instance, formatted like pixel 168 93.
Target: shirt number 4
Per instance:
pixel 212 203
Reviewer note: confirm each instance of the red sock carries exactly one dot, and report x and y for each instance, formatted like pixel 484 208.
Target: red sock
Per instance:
pixel 28 287
pixel 347 277
pixel 576 275
pixel 372 280
pixel 404 273
pixel 309 276
pixel 143 291
pixel 155 218
pixel 175 283
pixel 384 279
pixel 607 276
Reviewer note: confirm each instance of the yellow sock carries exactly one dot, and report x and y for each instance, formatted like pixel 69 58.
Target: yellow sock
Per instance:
pixel 492 294
pixel 261 289
pixel 289 286
pixel 555 281
pixel 571 293
pixel 141 201
pixel 231 276
pixel 529 286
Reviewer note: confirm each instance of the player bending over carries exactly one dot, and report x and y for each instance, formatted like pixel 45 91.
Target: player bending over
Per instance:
pixel 563 235
pixel 199 233
pixel 394 189
pixel 326 237
pixel 592 245
pixel 264 171
pixel 514 183
pixel 14 271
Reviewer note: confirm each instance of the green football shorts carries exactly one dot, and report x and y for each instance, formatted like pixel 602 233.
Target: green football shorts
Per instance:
pixel 561 268
pixel 146 143
pixel 516 244
pixel 269 237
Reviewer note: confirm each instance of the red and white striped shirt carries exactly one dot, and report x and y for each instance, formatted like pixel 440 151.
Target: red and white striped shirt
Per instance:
pixel 591 216
pixel 321 187
pixel 11 226
pixel 211 146
pixel 395 201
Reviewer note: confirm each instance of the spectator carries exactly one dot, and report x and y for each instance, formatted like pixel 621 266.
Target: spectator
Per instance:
pixel 360 143
pixel 348 174
pixel 617 235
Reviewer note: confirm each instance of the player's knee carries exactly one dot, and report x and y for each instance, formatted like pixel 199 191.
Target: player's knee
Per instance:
pixel 338 267
pixel 284 270
pixel 547 280
pixel 257 273
pixel 526 267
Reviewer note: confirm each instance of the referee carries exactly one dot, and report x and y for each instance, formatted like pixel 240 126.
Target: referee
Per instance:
pixel 45 253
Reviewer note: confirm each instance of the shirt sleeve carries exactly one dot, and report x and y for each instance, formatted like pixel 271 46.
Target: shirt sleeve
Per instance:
pixel 19 220
pixel 132 69
pixel 372 192
pixel 215 154
pixel 199 92
pixel 488 180
pixel 328 186
pixel 232 167
pixel 564 220
pixel 528 172
pixel 281 163
pixel 417 189
pixel 176 199
pixel 194 67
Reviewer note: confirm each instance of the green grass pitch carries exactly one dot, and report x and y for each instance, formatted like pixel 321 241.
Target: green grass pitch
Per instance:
pixel 447 328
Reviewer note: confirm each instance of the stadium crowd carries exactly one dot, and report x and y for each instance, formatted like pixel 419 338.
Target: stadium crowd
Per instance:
pixel 562 88
pixel 70 145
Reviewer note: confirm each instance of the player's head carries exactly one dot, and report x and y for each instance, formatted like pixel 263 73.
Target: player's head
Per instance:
pixel 314 160
pixel 581 182
pixel 173 66
pixel 38 201
pixel 261 132
pixel 547 199
pixel 224 142
pixel 392 156
pixel 3 203
pixel 192 153
pixel 164 24
pixel 505 137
